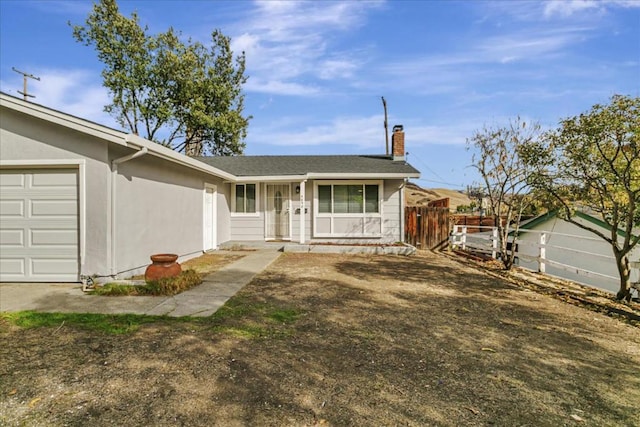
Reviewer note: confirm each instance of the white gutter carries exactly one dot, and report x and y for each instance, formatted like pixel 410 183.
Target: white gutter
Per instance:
pixel 114 176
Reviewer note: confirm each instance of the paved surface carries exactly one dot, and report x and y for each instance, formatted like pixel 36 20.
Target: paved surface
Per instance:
pixel 200 301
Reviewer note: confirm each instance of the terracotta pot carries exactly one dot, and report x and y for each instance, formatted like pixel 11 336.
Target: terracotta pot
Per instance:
pixel 164 265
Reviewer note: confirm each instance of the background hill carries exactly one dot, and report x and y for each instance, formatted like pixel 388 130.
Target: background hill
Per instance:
pixel 418 196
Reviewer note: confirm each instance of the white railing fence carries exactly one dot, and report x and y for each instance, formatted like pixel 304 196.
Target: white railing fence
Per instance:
pixel 536 253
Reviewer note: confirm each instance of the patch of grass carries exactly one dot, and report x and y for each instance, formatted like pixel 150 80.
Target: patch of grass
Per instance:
pixel 283 315
pixel 208 263
pixel 236 307
pixel 244 331
pixel 166 286
pixel 115 290
pixel 243 318
pixel 114 324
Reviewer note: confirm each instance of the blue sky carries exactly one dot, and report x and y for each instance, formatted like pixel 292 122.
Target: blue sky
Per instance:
pixel 317 70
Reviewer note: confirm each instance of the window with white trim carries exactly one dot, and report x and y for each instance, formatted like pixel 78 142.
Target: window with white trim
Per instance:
pixel 244 197
pixel 348 208
pixel 348 198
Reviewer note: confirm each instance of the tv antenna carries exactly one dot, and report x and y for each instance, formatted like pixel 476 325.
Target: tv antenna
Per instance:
pixel 24 83
pixel 386 125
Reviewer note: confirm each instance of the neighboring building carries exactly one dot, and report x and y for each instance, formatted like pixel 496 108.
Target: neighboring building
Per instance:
pixel 570 245
pixel 80 199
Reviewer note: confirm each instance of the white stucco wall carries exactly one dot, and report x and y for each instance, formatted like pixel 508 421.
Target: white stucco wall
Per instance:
pixel 159 204
pixel 602 262
pixel 160 209
pixel 29 141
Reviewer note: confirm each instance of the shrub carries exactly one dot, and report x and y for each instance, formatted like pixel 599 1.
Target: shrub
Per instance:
pixel 172 285
pixel 162 287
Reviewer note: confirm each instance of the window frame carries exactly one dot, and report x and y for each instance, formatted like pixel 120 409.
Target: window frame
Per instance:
pixel 256 201
pixel 360 215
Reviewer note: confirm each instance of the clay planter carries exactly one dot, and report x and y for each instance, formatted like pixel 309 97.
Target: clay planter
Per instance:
pixel 164 265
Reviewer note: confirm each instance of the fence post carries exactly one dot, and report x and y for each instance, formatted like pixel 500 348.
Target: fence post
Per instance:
pixel 463 238
pixel 542 252
pixel 494 242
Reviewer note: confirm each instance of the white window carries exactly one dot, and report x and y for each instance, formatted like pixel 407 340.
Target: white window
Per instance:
pixel 348 209
pixel 348 198
pixel 244 198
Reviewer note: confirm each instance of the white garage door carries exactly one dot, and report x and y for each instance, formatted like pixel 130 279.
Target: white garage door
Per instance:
pixel 39 225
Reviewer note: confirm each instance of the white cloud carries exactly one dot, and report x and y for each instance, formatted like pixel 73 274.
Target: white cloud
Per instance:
pixel 277 87
pixel 70 91
pixel 526 54
pixel 363 133
pixel 336 68
pixel 569 7
pixel 288 43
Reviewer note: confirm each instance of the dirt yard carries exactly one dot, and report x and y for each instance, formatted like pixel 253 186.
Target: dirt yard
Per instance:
pixel 338 340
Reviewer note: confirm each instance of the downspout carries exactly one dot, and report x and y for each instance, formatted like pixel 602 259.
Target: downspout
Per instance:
pixel 114 175
pixel 402 214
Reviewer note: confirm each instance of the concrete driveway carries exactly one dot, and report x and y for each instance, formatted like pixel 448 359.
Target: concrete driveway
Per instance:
pixel 200 301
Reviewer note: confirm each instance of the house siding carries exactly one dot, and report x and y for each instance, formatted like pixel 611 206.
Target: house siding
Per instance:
pixel 159 205
pixel 224 213
pixel 29 140
pixel 392 210
pixel 563 231
pixel 159 210
pixel 249 227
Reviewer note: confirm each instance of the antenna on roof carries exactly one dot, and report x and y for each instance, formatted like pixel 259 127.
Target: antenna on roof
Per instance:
pixel 24 83
pixel 386 125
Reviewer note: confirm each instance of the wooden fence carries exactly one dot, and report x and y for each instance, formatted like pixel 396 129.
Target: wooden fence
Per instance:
pixel 427 227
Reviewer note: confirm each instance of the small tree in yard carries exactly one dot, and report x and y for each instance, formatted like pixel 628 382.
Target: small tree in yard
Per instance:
pixel 168 91
pixel 597 169
pixel 499 158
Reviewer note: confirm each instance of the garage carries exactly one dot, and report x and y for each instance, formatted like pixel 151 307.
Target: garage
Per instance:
pixel 39 234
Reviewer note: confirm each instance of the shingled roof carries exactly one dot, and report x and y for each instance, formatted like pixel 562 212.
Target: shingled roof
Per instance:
pixel 304 165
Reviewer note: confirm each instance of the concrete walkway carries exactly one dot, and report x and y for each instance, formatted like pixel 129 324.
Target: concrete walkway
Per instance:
pixel 200 301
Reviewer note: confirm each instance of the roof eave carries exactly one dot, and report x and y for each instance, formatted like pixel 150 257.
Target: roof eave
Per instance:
pixel 62 119
pixel 166 153
pixel 107 134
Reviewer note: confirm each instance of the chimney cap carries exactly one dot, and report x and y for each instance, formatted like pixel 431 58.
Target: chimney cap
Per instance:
pixel 398 128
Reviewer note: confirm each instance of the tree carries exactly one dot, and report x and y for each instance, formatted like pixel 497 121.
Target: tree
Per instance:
pixel 596 168
pixel 169 91
pixel 499 158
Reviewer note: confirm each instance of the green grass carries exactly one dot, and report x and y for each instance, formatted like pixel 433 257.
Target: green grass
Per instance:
pixel 114 324
pixel 239 317
pixel 244 318
pixel 162 287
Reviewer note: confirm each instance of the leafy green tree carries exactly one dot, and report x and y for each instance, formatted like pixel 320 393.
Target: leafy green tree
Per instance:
pixel 179 94
pixel 595 167
pixel 499 158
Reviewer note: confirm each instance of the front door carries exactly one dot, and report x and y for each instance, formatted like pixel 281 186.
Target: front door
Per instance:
pixel 209 216
pixel 278 212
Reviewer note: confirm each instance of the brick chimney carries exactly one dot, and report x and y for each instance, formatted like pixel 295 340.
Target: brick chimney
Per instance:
pixel 397 143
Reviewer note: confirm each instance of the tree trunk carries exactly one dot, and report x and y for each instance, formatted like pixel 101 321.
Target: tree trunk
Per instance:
pixel 622 262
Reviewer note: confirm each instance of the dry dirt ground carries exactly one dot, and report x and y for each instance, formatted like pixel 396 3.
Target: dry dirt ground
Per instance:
pixel 339 340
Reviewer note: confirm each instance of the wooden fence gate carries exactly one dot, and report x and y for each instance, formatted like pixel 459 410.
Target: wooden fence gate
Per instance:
pixel 427 227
